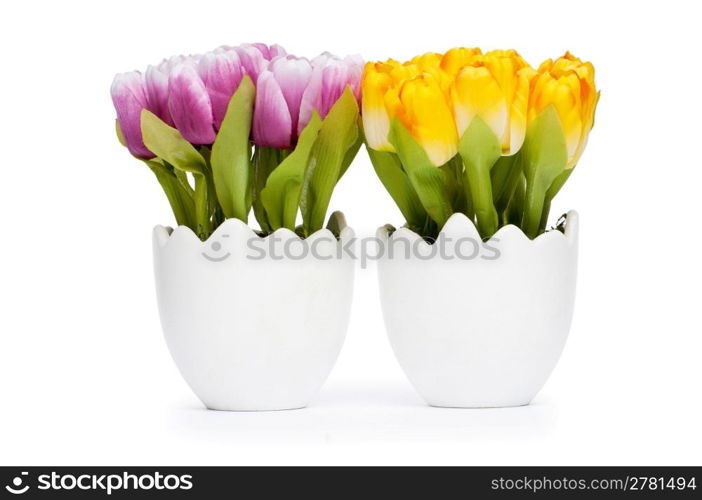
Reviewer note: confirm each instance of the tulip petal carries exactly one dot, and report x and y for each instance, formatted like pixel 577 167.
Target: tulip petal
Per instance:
pixel 427 116
pixel 568 85
pixel 455 59
pixel 252 59
pixel 564 95
pixel 189 105
pixel 129 98
pixel 355 65
pixel 277 51
pixel 376 121
pixel 311 99
pixel 293 75
pixel 272 124
pixel 330 76
pixel 270 52
pixel 518 111
pixel 221 73
pixel 475 92
pixel 335 77
pixel 263 49
pixel 157 92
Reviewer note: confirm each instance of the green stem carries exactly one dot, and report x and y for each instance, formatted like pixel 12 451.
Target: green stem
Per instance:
pixel 513 212
pixel 533 208
pixel 265 160
pixel 499 175
pixel 430 229
pixel 470 205
pixel 545 157
pixel 202 208
pixel 218 217
pixel 544 215
pixel 389 170
pixel 178 198
pixel 551 194
pixel 183 182
pixel 178 204
pixel 461 202
pixel 480 190
pixel 481 151
pixel 505 180
pixel 212 202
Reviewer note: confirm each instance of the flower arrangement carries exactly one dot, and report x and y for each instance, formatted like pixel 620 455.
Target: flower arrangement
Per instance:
pixel 251 127
pixel 484 134
pixel 461 141
pixel 244 127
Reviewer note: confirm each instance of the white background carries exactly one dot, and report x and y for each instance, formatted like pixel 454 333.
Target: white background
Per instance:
pixel 85 376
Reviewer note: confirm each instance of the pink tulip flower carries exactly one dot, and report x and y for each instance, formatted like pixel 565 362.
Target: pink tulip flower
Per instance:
pixel 192 93
pixel 291 88
pixel 270 52
pixel 221 72
pixel 189 104
pixel 278 97
pixel 330 77
pixel 157 87
pixel 129 98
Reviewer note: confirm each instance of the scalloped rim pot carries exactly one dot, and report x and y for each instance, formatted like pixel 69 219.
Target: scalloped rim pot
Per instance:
pixel 485 331
pixel 253 333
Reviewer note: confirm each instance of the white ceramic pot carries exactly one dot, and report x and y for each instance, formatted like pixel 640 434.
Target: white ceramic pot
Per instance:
pixel 483 324
pixel 250 331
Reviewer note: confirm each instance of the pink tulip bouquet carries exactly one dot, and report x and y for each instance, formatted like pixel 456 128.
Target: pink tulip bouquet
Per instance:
pixel 244 127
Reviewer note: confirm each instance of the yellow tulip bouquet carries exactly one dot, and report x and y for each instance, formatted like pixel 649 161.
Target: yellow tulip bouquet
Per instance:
pixel 482 134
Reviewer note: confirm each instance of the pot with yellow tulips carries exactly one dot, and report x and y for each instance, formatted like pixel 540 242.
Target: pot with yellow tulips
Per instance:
pixel 477 294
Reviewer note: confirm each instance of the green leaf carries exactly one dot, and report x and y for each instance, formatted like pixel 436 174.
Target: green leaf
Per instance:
pixel 265 160
pixel 480 149
pixel 455 185
pixel 167 143
pixel 551 194
pixel 213 202
pixel 120 137
pixel 338 134
pixel 184 183
pixel 281 195
pixel 353 150
pixel 505 175
pixel 181 203
pixel 389 170
pixel 515 207
pixel 427 180
pixel 499 174
pixel 544 159
pixel 231 154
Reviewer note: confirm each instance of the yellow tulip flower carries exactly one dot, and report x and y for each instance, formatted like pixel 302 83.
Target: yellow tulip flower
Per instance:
pixel 421 105
pixel 495 87
pixel 377 81
pixel 427 61
pixel 567 84
pixel 438 99
pixel 415 93
pixel 380 79
pixel 455 59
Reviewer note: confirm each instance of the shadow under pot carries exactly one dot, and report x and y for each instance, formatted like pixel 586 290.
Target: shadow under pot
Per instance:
pixel 253 323
pixel 478 324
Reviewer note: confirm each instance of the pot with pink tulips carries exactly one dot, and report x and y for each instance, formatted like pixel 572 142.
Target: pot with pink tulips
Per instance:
pixel 253 317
